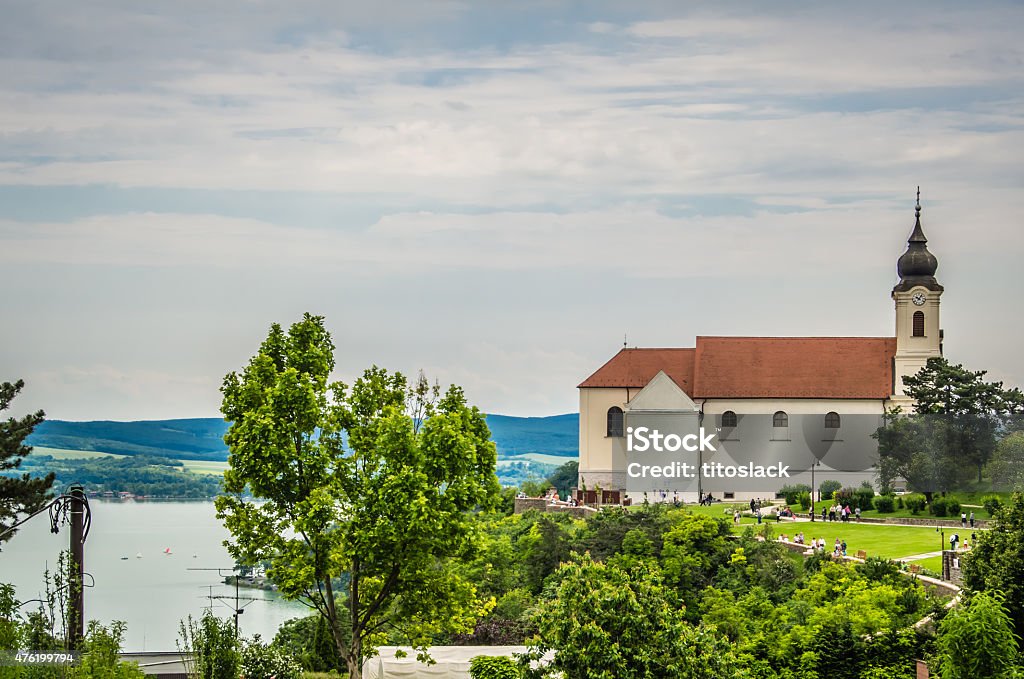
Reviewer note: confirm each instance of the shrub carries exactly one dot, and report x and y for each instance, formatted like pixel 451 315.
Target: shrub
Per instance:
pixel 792 493
pixel 828 488
pixel 844 496
pixel 805 500
pixel 953 506
pixel 915 503
pixel 899 502
pixel 864 496
pixel 493 667
pixel 260 661
pixel 100 655
pixel 939 507
pixel 992 504
pixel 211 647
pixel 885 504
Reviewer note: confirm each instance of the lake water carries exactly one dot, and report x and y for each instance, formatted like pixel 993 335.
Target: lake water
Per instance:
pixel 154 593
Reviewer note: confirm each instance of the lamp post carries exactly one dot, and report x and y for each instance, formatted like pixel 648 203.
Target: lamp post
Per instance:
pixel 813 465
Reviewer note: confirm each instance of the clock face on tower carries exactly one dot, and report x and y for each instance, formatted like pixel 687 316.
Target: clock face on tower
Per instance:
pixel 918 299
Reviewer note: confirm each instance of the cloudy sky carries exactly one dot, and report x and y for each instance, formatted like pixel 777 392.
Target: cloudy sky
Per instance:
pixel 494 192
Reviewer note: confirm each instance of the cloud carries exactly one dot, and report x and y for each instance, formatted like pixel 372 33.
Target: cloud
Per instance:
pixel 497 173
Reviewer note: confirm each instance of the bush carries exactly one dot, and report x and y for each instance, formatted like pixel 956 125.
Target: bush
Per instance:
pixel 260 661
pixel 992 504
pixel 899 502
pixel 864 496
pixel 844 496
pixel 953 506
pixel 493 667
pixel 805 500
pixel 915 503
pixel 939 507
pixel 885 504
pixel 309 640
pixel 100 655
pixel 828 488
pixel 792 493
pixel 211 647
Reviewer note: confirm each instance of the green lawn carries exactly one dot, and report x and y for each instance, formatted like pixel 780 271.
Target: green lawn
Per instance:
pixel 876 539
pixel 65 454
pixel 891 542
pixel 932 564
pixel 211 467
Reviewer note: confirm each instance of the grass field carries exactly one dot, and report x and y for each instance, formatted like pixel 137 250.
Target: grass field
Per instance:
pixel 542 458
pixel 64 454
pixel 891 542
pixel 932 563
pixel 211 467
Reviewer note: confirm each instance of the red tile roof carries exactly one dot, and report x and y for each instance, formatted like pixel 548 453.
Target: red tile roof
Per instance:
pixel 762 367
pixel 637 367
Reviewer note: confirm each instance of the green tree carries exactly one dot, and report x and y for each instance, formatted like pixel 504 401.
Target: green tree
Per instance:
pixel 374 485
pixel 20 494
pixel 607 623
pixel 828 487
pixel 977 640
pixel 1007 466
pixel 565 477
pixel 973 409
pixel 996 562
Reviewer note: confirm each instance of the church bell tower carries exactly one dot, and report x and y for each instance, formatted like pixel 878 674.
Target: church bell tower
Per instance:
pixel 918 333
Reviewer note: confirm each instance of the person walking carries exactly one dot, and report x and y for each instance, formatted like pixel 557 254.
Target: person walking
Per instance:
pixel 963 519
pixel 972 520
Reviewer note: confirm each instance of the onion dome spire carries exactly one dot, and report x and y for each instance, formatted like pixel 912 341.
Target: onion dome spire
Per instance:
pixel 917 265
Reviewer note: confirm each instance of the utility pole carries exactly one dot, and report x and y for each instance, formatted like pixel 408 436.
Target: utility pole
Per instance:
pixel 76 608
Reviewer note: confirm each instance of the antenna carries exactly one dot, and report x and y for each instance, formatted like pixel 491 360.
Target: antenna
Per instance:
pixel 237 610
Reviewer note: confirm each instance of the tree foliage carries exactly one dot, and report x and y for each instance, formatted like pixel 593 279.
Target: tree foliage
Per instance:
pixel 376 483
pixel 996 562
pixel 1007 465
pixel 972 410
pixel 977 640
pixel 19 493
pixel 607 623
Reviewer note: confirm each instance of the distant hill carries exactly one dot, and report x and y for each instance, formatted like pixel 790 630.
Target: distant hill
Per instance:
pixel 202 438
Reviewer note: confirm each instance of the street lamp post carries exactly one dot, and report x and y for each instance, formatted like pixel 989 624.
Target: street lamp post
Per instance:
pixel 813 465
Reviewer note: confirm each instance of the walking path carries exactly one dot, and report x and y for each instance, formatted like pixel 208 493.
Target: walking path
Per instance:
pixel 918 557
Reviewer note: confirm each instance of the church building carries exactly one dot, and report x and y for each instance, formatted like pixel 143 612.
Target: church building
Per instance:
pixel 809 404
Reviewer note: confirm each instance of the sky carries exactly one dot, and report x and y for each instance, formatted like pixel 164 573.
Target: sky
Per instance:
pixel 499 194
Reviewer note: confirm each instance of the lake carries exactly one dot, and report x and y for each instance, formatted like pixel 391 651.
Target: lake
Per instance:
pixel 153 593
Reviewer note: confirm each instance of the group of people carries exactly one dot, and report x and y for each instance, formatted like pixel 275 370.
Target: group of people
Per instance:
pixel 839 512
pixel 963 520
pixel 818 544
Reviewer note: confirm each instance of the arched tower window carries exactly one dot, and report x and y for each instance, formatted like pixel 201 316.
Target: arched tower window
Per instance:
pixel 918 324
pixel 615 421
pixel 780 419
pixel 831 420
pixel 728 419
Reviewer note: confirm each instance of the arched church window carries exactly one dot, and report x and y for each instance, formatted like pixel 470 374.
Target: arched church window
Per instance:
pixel 918 324
pixel 780 419
pixel 728 419
pixel 615 421
pixel 831 420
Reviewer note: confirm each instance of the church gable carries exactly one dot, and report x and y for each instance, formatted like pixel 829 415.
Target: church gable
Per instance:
pixel 661 394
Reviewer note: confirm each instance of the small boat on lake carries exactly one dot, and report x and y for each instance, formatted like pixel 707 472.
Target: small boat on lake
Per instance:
pixel 138 555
